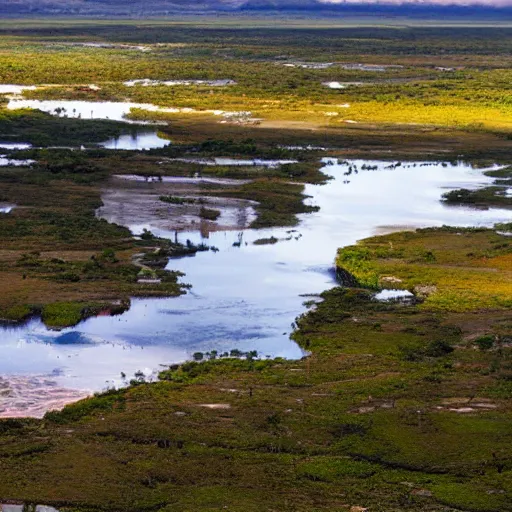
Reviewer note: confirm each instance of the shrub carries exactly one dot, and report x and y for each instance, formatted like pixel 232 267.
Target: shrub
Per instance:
pixel 209 214
pixel 485 342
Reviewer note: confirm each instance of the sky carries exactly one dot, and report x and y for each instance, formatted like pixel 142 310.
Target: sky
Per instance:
pixel 491 3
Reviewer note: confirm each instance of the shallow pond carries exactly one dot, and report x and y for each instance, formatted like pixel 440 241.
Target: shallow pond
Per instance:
pixel 112 110
pixel 137 141
pixel 335 85
pixel 245 296
pixel 147 82
pixel 15 89
pixel 15 145
pixel 391 295
pixel 235 162
pixel 11 162
pixel 102 110
pixel 107 110
pixel 26 508
pixel 6 208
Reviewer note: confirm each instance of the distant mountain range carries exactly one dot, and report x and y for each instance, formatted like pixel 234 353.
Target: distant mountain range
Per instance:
pixel 500 9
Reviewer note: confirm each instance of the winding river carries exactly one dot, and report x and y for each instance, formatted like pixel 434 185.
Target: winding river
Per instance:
pixel 244 296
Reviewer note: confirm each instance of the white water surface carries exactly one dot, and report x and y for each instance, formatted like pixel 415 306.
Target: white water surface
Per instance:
pixel 106 110
pixel 245 296
pixel 6 208
pixel 136 142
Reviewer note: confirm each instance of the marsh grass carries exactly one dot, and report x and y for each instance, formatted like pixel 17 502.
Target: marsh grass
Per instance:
pixel 372 410
pixel 371 417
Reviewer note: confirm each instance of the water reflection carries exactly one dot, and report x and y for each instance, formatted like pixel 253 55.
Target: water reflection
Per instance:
pixel 137 142
pixel 113 110
pixel 6 208
pixel 26 508
pixel 246 296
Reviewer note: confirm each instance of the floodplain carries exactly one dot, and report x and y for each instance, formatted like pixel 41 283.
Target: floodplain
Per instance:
pixel 180 210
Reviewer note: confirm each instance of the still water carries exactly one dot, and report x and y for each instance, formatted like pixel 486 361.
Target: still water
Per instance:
pixel 245 296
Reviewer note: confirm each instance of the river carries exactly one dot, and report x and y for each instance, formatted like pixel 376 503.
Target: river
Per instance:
pixel 244 296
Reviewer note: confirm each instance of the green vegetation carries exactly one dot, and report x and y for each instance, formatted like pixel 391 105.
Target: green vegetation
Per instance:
pixel 64 314
pixel 433 263
pixel 178 200
pixel 495 195
pixel 398 406
pixel 266 241
pixel 41 129
pixel 209 213
pixel 278 202
pixel 57 254
pixel 455 76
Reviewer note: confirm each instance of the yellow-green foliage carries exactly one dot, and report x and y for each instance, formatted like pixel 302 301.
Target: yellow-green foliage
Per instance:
pixel 62 314
pixel 417 90
pixel 16 313
pixel 465 115
pixel 453 269
pixel 357 260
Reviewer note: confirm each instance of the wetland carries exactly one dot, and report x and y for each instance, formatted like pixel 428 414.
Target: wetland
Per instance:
pixel 282 290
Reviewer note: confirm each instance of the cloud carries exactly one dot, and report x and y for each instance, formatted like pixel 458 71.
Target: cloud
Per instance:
pixel 489 3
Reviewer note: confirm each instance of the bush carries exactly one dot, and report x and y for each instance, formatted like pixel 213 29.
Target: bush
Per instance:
pixel 485 342
pixel 209 214
pixel 70 277
pixel 438 348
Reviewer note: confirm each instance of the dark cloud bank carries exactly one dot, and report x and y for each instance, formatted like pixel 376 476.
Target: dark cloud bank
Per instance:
pixel 496 9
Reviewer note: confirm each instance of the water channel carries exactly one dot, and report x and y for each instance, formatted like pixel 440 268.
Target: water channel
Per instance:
pixel 244 296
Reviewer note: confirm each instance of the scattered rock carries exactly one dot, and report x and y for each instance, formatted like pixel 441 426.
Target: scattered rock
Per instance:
pixel 422 492
pixel 144 280
pixel 391 279
pixel 215 406
pixel 454 401
pixel 425 291
pixel 363 410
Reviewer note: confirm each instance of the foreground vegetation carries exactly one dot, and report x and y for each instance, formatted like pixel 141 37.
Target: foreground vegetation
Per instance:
pixel 400 406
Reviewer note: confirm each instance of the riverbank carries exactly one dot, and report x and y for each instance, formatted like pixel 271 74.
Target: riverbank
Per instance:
pixel 363 198
pixel 325 432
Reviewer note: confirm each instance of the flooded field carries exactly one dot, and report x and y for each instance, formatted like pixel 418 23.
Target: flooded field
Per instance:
pixel 133 200
pixel 137 142
pixel 245 296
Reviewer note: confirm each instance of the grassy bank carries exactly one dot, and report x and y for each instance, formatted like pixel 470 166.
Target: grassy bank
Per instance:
pixel 398 407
